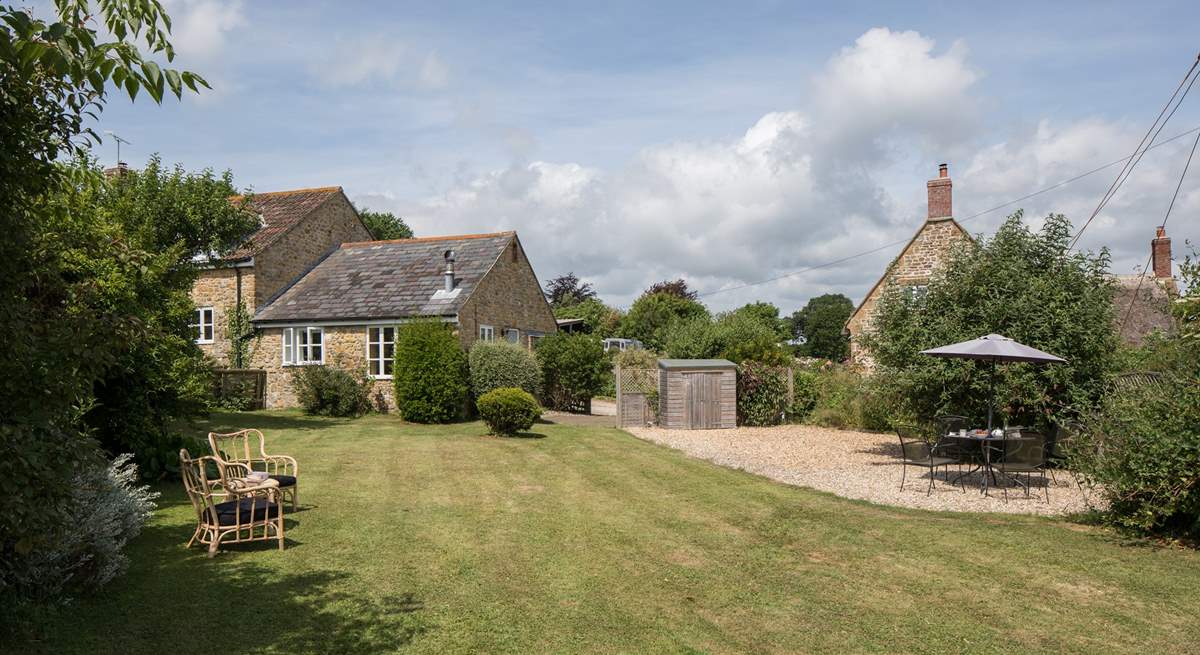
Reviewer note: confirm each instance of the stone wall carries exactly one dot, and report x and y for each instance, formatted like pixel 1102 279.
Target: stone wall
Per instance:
pixel 509 296
pixel 333 223
pixel 345 347
pixel 916 263
pixel 217 288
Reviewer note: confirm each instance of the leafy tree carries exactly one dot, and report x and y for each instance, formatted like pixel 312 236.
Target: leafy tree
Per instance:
pixel 65 329
pixel 766 314
pixel 678 288
pixel 737 336
pixel 385 225
pixel 568 290
pixel 821 323
pixel 430 375
pixel 651 315
pixel 1024 285
pixel 599 319
pixel 574 367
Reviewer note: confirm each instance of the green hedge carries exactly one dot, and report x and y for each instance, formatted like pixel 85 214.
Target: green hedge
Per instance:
pixel 507 411
pixel 430 374
pixel 498 364
pixel 762 395
pixel 573 368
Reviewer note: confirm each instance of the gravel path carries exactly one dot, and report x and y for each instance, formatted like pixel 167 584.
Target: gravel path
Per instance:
pixel 859 465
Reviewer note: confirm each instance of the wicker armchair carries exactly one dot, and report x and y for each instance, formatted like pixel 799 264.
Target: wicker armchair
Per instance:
pixel 253 512
pixel 248 449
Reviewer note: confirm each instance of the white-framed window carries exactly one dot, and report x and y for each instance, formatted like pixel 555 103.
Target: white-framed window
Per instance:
pixel 535 338
pixel 512 335
pixel 487 333
pixel 381 351
pixel 303 345
pixel 202 324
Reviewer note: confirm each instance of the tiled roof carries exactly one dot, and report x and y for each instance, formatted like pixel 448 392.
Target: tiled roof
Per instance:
pixel 373 280
pixel 280 210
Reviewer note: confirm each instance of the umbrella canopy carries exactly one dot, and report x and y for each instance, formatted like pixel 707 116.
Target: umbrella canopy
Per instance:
pixel 993 348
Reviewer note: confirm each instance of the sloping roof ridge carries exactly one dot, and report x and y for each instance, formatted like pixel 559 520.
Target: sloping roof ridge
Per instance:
pixel 450 237
pixel 318 189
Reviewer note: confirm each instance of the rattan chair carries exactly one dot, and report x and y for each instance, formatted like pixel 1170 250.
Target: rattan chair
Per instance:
pixel 918 450
pixel 1015 455
pixel 251 512
pixel 249 448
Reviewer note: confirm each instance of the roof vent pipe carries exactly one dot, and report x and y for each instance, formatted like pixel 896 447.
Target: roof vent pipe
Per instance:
pixel 449 257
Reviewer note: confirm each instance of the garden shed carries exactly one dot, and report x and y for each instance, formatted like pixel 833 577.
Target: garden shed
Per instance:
pixel 697 394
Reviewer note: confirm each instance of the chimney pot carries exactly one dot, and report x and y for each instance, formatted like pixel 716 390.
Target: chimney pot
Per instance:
pixel 940 197
pixel 449 275
pixel 1160 253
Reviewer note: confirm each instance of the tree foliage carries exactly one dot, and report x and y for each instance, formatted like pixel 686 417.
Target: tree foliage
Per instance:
pixel 678 288
pixel 67 279
pixel 821 324
pixel 430 373
pixel 1024 285
pixel 598 319
pixel 567 290
pixel 652 314
pixel 385 225
pixel 736 336
pixel 574 367
pixel 766 314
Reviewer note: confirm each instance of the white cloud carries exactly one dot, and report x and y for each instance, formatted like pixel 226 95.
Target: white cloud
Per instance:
pixel 835 177
pixel 378 59
pixel 200 27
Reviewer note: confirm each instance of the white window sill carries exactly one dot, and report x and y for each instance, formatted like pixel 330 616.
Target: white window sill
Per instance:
pixel 380 377
pixel 205 342
pixel 303 364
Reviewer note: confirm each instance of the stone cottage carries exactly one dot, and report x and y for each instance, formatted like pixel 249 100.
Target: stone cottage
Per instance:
pixel 298 228
pixel 344 310
pixel 1141 302
pixel 321 292
pixel 914 265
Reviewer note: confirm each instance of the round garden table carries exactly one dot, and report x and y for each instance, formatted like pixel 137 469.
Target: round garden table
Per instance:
pixel 980 440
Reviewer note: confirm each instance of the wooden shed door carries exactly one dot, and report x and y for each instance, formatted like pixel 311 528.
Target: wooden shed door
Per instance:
pixel 703 400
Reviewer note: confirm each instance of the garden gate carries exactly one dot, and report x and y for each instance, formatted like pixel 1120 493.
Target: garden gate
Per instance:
pixel 637 396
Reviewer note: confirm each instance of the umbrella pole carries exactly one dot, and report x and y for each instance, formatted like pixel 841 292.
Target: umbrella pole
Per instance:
pixel 992 400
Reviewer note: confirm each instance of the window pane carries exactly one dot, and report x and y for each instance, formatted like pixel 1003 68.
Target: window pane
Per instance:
pixel 208 332
pixel 373 351
pixel 387 367
pixel 315 353
pixel 389 335
pixel 314 335
pixel 389 351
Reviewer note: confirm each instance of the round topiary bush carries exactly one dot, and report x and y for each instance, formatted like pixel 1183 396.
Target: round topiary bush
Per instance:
pixel 508 410
pixel 497 364
pixel 430 375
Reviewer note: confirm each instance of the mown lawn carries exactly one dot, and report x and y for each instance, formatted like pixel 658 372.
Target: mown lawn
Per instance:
pixel 436 539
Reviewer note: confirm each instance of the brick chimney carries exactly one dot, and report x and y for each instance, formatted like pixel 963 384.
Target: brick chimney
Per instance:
pixel 1160 253
pixel 939 194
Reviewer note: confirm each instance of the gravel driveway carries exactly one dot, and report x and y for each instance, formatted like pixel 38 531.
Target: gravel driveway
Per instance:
pixel 861 465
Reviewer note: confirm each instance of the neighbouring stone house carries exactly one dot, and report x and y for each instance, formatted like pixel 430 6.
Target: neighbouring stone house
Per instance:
pixel 1149 294
pixel 298 228
pixel 344 310
pixel 921 256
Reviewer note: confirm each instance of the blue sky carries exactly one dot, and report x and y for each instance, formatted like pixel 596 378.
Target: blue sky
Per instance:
pixel 631 142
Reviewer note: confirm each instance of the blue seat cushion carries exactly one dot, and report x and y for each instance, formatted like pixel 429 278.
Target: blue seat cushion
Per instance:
pixel 247 510
pixel 285 480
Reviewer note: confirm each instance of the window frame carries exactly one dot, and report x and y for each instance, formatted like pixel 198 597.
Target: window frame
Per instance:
pixel 382 360
pixel 199 325
pixel 506 331
pixel 293 348
pixel 489 331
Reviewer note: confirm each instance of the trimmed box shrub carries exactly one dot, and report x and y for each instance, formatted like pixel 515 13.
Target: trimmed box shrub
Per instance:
pixel 508 410
pixel 331 391
pixel 497 365
pixel 430 375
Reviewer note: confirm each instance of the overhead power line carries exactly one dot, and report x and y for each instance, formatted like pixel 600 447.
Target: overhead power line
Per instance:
pixel 976 215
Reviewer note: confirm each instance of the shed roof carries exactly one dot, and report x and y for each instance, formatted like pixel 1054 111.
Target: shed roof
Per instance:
pixel 373 280
pixel 678 364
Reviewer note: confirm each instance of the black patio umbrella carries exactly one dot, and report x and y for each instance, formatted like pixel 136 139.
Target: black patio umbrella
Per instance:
pixel 993 348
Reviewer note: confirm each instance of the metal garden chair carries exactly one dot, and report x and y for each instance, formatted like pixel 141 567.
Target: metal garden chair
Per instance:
pixel 918 450
pixel 1025 453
